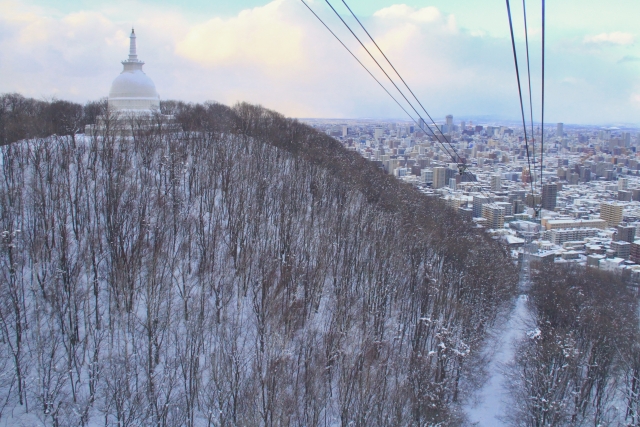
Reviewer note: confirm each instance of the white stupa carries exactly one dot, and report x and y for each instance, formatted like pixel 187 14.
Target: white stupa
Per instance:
pixel 133 91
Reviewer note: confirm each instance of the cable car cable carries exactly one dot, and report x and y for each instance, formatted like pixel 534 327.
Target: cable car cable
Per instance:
pixel 533 138
pixel 359 62
pixel 369 72
pixel 389 78
pixel 399 76
pixel 542 115
pixel 524 125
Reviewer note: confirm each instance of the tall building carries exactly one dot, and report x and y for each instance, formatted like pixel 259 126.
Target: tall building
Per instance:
pixel 478 202
pixel 560 129
pixel 496 183
pixel 533 200
pixel 450 123
pixel 634 252
pixel 439 177
pixel 623 183
pixel 426 175
pixel 625 233
pixel 494 215
pixel 508 207
pixel 422 124
pixel 377 134
pixel 549 196
pixel 624 195
pixel 133 90
pixel 612 213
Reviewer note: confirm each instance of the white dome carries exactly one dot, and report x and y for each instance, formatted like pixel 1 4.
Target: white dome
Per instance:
pixel 133 89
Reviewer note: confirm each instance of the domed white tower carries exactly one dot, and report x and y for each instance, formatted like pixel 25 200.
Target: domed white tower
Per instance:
pixel 133 90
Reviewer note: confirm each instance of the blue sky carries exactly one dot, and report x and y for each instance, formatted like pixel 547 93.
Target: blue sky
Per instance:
pixel 455 54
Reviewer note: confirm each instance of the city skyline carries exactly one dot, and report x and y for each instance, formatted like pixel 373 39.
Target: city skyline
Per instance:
pixel 457 57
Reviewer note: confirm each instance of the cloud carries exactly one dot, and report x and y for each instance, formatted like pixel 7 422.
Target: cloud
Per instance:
pixel 628 58
pixel 614 38
pixel 262 36
pixel 403 12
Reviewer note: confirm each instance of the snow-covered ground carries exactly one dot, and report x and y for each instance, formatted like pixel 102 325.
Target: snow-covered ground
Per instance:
pixel 488 407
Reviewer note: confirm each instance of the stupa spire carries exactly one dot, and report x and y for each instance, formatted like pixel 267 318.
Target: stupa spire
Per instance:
pixel 133 55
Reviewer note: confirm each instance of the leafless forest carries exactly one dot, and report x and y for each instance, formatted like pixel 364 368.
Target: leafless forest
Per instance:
pixel 247 270
pixel 580 364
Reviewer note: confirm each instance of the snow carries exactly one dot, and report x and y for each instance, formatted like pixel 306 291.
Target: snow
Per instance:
pixel 490 404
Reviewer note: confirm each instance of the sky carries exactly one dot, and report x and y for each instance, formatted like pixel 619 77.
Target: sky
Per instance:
pixel 455 55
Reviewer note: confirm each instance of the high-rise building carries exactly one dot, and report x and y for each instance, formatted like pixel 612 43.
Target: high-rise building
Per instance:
pixel 518 206
pixel 549 196
pixel 439 177
pixel 508 207
pixel 422 124
pixel 533 200
pixel 453 184
pixel 377 134
pixel 612 213
pixel 634 252
pixel 623 183
pixel 345 130
pixel 426 175
pixel 624 195
pixel 560 129
pixel 463 126
pixel 496 183
pixel 625 233
pixel 449 122
pixel 494 215
pixel 478 201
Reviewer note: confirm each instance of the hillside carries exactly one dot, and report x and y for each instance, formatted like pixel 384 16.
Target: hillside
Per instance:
pixel 244 271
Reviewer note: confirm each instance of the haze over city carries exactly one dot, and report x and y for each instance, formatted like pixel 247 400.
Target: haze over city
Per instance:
pixel 457 56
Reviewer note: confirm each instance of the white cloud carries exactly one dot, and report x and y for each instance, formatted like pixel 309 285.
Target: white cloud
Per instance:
pixel 404 12
pixel 264 36
pixel 614 38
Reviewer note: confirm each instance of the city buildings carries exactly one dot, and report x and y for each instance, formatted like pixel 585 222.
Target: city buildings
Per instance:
pixel 478 202
pixel 588 186
pixel 496 183
pixel 549 196
pixel 439 177
pixel 625 233
pixel 612 213
pixel 494 215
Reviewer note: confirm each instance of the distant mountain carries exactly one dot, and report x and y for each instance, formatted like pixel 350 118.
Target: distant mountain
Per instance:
pixel 244 270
